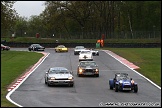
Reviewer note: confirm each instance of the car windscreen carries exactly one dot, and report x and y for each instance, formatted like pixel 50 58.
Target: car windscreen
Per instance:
pixel 3 45
pixel 61 46
pixel 88 64
pixel 82 52
pixel 79 48
pixel 123 78
pixel 59 72
pixel 36 45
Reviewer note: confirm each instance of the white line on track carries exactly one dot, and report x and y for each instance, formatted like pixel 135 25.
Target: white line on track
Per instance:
pixel 130 67
pixel 22 79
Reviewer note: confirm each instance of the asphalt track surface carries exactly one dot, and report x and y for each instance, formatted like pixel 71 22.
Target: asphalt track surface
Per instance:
pixel 87 91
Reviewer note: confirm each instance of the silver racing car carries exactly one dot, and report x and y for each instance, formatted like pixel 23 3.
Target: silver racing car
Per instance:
pixel 59 76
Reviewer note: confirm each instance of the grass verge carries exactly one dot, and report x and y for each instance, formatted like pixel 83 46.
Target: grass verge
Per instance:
pixel 148 59
pixel 13 64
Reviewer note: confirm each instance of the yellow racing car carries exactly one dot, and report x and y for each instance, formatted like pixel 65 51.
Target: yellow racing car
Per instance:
pixel 61 48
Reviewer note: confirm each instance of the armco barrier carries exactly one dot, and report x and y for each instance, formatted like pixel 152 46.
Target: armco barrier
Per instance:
pixel 89 45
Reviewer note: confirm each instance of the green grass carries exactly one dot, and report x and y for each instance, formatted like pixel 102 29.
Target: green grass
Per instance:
pixel 148 59
pixel 13 64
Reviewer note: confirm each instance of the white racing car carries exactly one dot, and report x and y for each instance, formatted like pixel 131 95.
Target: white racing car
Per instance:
pixel 85 55
pixel 94 52
pixel 78 49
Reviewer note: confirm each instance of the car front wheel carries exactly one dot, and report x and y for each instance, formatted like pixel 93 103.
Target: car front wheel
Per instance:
pixel 116 88
pixel 45 82
pixel 111 87
pixel 71 85
pixel 97 75
pixel 136 89
pixel 48 84
pixel 79 75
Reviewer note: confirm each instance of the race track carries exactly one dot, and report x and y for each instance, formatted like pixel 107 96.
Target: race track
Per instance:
pixel 87 91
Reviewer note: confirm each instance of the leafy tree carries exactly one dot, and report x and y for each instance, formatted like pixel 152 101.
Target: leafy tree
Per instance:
pixel 8 17
pixel 21 26
pixel 35 25
pixel 91 19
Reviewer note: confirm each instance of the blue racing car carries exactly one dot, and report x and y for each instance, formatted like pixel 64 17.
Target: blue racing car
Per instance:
pixel 122 82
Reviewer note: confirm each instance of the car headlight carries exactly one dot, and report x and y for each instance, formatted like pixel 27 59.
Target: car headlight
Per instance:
pixel 80 70
pixel 120 81
pixel 52 78
pixel 70 78
pixel 97 70
pixel 132 81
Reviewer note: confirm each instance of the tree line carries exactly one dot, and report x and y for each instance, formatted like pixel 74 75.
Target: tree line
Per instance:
pixel 86 20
